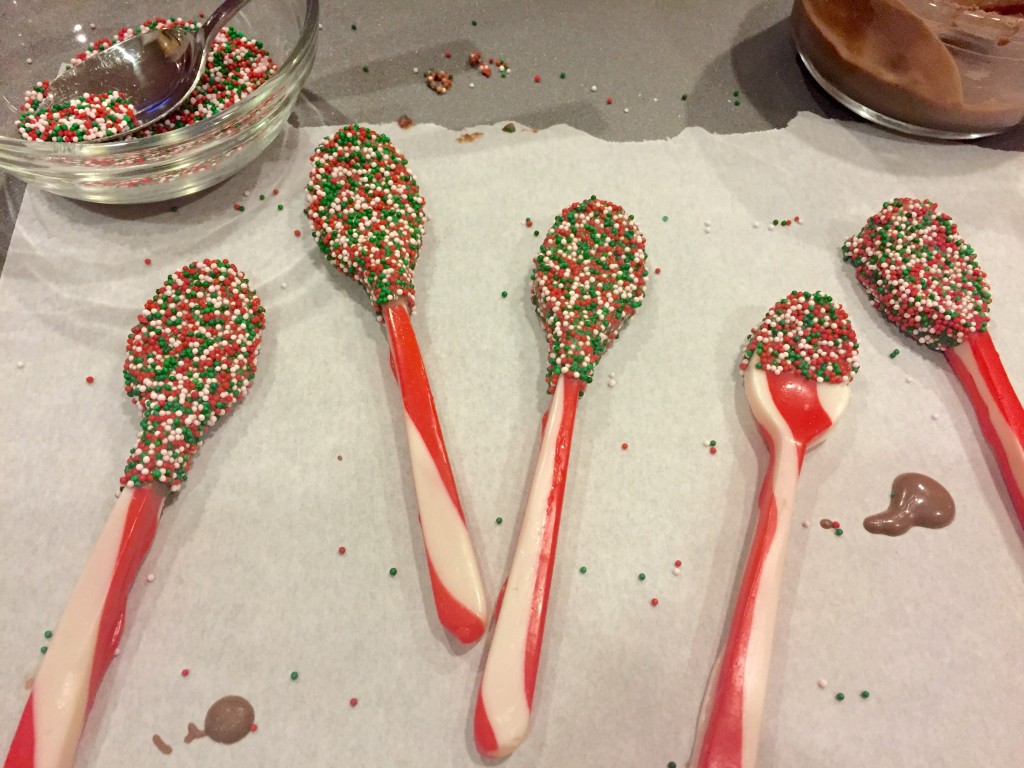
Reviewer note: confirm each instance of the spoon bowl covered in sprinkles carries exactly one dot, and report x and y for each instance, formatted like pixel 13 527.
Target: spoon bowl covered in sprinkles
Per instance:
pixel 797 367
pixel 190 358
pixel 926 280
pixel 366 214
pixel 588 280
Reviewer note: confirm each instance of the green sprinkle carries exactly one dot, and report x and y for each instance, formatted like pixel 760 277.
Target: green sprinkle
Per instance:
pixel 43 649
pixel 498 521
pixel 365 68
pixel 671 764
pixel 583 569
pixel 561 75
pixel 864 694
pixel 839 531
pixel 736 103
pixel 642 576
pixel 504 294
pixel 393 571
pixel 263 197
pixel 536 233
pixel 664 218
pixel 712 443
pixel 474 22
pixel 174 209
pixel 280 207
pixel 683 97
pixel 509 128
pixel 47 634
pixel 294 675
pixel 894 354
pixel 353 27
pixel 735 94
pixel 840 696
pixel 241 209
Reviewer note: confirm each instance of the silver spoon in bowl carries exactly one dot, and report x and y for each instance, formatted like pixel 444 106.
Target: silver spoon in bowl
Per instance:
pixel 155 70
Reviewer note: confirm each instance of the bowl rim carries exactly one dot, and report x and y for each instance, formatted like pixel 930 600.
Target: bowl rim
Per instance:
pixel 41 150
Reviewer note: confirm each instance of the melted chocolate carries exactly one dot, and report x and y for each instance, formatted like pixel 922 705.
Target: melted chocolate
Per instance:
pixel 193 733
pixel 825 522
pixel 229 720
pixel 916 500
pixel 162 745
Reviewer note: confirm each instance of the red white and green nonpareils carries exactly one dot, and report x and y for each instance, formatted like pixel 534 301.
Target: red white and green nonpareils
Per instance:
pixel 805 333
pixel 190 357
pixel 588 279
pixel 920 274
pixel 235 67
pixel 366 212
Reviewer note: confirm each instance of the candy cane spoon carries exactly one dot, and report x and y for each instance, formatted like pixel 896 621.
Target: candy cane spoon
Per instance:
pixel 797 369
pixel 189 359
pixel 588 280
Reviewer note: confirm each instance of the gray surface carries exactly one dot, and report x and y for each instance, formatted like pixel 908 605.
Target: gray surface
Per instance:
pixel 634 53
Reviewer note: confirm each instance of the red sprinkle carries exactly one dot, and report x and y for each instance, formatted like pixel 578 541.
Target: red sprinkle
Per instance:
pixel 237 206
pixel 184 673
pixel 341 550
pixel 835 523
pixel 609 100
pixel 678 563
pixel 625 446
pixel 148 262
pixel 657 270
pixel 712 450
pixel 654 602
pixel 89 379
pixel 796 219
pixel 253 728
pixel 277 191
pixel 447 54
pixel 536 78
pixel 353 702
pixel 298 233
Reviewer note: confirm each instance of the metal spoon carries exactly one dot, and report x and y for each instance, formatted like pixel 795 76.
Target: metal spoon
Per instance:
pixel 155 70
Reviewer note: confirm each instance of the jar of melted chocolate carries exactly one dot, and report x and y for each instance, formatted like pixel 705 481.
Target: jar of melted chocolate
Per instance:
pixel 946 69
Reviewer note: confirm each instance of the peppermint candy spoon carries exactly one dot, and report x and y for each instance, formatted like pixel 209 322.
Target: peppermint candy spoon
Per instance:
pixel 796 373
pixel 189 359
pixel 925 280
pixel 367 217
pixel 588 280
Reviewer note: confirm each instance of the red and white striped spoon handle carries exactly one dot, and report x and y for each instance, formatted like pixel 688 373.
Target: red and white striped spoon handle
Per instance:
pixel 791 418
pixel 87 636
pixel 505 699
pixel 976 363
pixel 454 573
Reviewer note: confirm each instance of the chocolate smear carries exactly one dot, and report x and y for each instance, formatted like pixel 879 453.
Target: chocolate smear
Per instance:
pixel 162 745
pixel 916 500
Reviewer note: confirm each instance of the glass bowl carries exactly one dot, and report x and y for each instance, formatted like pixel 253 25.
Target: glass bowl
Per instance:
pixel 167 165
pixel 941 69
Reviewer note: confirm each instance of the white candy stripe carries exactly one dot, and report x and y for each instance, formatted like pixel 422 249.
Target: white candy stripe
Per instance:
pixel 444 531
pixel 785 473
pixel 61 689
pixel 503 687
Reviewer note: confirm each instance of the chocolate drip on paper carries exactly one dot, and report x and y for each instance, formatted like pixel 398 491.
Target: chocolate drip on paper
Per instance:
pixel 917 500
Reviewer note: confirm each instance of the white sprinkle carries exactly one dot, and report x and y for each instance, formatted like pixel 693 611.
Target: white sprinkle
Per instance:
pixel 151 578
pixel 284 285
pixel 92 26
pixel 707 223
pixel 823 683
pixel 626 110
pixel 21 363
pixel 611 383
pixel 935 417
pixel 771 227
pixel 28 61
pixel 319 26
pixel 117 651
pixel 707 443
pixel 909 379
pixel 415 70
pixel 472 85
pixel 676 571
pixel 246 193
pixel 593 88
pixel 806 523
pixel 757 225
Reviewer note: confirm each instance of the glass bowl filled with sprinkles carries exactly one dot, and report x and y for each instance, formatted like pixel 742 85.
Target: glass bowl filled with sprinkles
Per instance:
pixel 254 73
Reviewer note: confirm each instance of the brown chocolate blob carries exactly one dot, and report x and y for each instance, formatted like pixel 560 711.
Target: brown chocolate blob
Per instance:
pixel 825 522
pixel 229 720
pixel 193 733
pixel 916 500
pixel 162 745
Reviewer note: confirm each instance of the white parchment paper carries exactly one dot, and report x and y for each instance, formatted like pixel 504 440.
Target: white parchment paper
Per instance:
pixel 249 585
